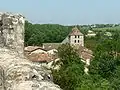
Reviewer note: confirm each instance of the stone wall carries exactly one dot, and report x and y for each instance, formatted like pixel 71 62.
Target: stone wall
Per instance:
pixel 80 39
pixel 12 32
pixel 16 71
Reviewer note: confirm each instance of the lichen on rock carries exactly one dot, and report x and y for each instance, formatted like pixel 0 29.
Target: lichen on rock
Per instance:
pixel 16 71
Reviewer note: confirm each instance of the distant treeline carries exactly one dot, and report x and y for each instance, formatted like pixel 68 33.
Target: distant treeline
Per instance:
pixel 36 34
pixel 104 69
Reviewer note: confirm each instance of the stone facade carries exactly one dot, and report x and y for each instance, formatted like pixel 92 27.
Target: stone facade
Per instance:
pixel 16 71
pixel 75 38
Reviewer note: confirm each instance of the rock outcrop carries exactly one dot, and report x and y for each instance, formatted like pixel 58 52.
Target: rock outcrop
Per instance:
pixel 16 72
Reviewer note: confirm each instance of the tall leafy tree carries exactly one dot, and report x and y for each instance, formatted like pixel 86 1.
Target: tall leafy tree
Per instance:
pixel 72 69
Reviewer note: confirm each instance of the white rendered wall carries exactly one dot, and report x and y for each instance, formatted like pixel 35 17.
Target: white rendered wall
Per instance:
pixel 81 40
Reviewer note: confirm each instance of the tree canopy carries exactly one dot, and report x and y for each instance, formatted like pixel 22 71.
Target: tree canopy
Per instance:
pixel 104 69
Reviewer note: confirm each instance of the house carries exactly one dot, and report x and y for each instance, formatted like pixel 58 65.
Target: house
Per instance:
pixel 91 34
pixel 51 48
pixel 85 54
pixel 47 53
pixel 41 57
pixel 34 50
pixel 109 34
pixel 52 51
pixel 44 56
pixel 75 38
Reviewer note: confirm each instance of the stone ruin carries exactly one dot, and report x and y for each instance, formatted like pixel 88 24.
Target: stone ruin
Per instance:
pixel 16 71
pixel 12 32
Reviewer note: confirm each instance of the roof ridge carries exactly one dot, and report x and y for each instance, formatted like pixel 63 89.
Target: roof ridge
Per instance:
pixel 75 31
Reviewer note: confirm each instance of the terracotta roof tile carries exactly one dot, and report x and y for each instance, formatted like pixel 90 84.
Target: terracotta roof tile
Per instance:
pixel 85 53
pixel 86 56
pixel 32 48
pixel 84 49
pixel 40 57
pixel 75 31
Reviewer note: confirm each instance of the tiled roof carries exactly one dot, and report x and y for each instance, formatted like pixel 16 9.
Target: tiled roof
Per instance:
pixel 82 48
pixel 40 57
pixel 50 46
pixel 32 48
pixel 85 53
pixel 75 31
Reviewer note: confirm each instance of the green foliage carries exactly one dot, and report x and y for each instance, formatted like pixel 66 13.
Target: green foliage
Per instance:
pixel 104 71
pixel 69 75
pixel 68 54
pixel 106 62
pixel 91 42
pixel 94 83
pixel 36 34
pixel 103 65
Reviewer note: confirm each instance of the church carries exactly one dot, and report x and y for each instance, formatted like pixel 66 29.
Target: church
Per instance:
pixel 75 38
pixel 47 53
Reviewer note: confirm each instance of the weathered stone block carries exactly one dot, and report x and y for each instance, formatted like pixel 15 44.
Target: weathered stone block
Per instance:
pixel 12 32
pixel 18 73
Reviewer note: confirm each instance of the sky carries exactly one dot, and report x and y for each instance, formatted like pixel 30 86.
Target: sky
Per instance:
pixel 66 12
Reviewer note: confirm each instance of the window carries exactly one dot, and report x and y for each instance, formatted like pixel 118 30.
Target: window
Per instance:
pixel 75 36
pixel 78 36
pixel 75 41
pixel 78 41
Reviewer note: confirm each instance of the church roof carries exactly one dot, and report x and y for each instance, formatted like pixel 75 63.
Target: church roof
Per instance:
pixel 75 31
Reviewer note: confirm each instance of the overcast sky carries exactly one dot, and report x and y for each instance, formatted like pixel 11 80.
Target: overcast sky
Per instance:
pixel 65 11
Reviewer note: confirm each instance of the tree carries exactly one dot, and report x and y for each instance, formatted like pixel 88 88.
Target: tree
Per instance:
pixel 103 65
pixel 72 69
pixel 95 82
pixel 106 63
